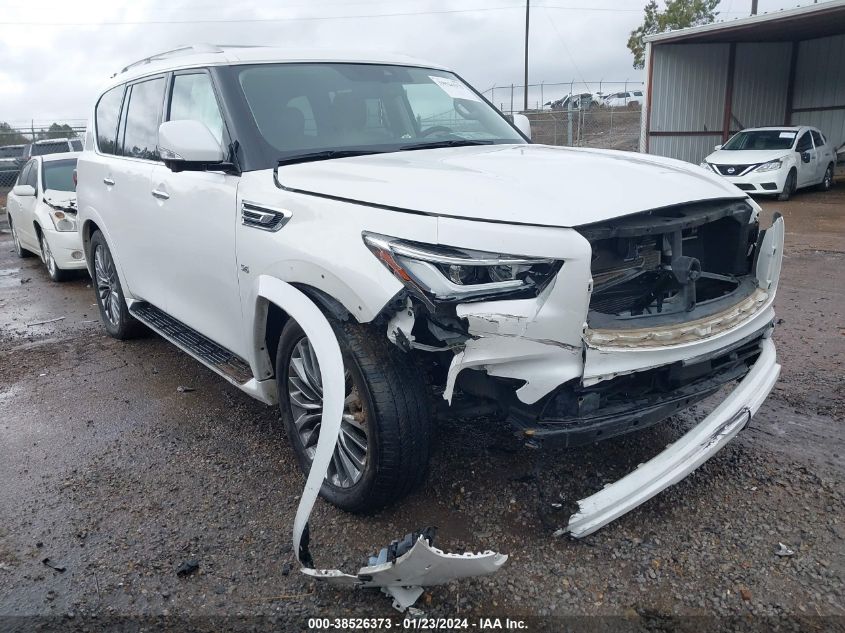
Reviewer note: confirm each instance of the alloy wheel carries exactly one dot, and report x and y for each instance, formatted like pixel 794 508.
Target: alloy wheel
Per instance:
pixel 107 288
pixel 47 256
pixel 305 395
pixel 15 241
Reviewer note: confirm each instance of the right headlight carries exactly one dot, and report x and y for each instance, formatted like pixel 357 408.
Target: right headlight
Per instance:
pixel 449 274
pixel 770 166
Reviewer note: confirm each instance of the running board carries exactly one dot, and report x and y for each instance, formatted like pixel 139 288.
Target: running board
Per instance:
pixel 197 345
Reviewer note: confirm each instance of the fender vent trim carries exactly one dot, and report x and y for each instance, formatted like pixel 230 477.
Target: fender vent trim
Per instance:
pixel 263 217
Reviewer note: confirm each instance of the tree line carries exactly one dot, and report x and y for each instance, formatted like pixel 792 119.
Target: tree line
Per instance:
pixel 18 136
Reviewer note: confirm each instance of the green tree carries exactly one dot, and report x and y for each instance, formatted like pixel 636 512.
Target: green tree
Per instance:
pixel 678 14
pixel 9 136
pixel 58 131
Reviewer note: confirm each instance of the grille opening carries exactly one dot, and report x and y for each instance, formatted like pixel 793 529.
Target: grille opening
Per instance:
pixel 670 260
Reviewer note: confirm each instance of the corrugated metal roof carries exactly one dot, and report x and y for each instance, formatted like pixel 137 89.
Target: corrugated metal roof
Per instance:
pixel 814 20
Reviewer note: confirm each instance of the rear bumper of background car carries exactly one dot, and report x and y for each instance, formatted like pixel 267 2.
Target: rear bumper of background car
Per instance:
pixel 681 458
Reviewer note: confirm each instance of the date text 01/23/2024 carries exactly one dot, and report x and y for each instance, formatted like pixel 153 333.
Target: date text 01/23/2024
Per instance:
pixel 420 624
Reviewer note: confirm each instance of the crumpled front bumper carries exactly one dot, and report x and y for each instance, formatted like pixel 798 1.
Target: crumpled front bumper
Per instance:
pixel 681 458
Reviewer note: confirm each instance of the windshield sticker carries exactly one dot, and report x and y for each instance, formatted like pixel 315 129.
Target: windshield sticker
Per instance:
pixel 454 88
pixel 787 135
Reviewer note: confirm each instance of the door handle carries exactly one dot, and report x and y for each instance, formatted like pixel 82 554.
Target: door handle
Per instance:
pixel 161 195
pixel 108 181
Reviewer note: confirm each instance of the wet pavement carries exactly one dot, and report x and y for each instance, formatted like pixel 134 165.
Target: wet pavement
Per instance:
pixel 111 472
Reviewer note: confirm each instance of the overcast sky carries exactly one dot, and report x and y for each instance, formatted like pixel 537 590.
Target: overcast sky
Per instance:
pixel 54 54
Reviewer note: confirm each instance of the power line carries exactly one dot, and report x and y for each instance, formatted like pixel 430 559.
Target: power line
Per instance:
pixel 302 18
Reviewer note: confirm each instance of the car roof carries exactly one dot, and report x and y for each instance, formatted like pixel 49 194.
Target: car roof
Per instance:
pixel 202 55
pixel 48 158
pixel 789 128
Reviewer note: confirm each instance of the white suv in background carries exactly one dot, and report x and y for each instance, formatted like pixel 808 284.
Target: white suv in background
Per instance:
pixel 259 207
pixel 624 99
pixel 775 160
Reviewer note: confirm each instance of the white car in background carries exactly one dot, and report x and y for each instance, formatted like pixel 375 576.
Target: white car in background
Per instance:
pixel 624 99
pixel 42 214
pixel 775 160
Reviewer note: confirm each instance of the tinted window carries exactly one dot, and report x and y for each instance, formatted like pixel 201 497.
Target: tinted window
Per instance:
pixel 804 143
pixel 76 145
pixel 58 175
pixel 193 98
pixel 39 149
pixel 761 139
pixel 140 134
pixel 638 94
pixel 817 138
pixel 108 112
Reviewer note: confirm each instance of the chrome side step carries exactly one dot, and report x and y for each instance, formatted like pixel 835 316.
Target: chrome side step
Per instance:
pixel 197 345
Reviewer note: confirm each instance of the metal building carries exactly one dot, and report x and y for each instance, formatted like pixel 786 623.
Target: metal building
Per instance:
pixel 705 83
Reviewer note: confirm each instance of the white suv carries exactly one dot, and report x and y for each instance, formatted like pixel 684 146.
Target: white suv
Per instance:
pixel 238 200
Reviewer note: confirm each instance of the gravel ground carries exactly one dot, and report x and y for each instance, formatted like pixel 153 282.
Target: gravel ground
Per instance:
pixel 109 471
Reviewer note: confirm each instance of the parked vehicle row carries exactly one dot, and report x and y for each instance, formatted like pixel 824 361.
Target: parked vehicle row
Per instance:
pixel 251 206
pixel 14 157
pixel 593 100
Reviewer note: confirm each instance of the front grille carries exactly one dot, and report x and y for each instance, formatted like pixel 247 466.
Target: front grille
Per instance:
pixel 733 170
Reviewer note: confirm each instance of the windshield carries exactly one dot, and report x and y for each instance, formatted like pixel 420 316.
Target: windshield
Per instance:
pixel 761 139
pixel 58 175
pixel 302 108
pixel 39 149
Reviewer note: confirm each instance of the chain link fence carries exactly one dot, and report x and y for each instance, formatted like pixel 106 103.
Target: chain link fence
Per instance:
pixel 606 128
pixel 16 138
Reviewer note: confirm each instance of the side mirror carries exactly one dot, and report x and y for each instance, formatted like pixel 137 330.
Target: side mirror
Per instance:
pixel 24 191
pixel 717 148
pixel 805 156
pixel 188 145
pixel 522 124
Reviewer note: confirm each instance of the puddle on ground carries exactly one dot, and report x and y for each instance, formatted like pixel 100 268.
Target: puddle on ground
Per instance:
pixel 9 277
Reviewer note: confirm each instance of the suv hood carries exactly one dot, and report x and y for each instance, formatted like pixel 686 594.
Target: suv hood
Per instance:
pixel 746 156
pixel 518 184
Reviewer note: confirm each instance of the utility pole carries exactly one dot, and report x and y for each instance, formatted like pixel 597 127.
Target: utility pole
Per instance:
pixel 527 14
pixel 753 7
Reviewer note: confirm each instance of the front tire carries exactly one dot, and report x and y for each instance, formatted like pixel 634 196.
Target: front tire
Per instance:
pixel 111 301
pixel 385 440
pixel 789 186
pixel 56 273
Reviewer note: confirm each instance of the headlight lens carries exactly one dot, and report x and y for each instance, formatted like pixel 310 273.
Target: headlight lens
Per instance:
pixel 448 274
pixel 64 222
pixel 770 166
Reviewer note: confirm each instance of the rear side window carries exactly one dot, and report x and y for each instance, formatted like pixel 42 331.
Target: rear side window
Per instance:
pixel 193 98
pixel 76 145
pixel 40 149
pixel 638 94
pixel 108 112
pixel 817 138
pixel 143 114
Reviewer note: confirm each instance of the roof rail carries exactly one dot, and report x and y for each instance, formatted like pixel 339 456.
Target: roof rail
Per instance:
pixel 182 50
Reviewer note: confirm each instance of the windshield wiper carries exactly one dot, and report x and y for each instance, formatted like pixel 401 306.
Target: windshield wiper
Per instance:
pixel 454 142
pixel 326 155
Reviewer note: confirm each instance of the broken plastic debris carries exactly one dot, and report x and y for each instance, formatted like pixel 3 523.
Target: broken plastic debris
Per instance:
pixel 403 567
pixel 182 389
pixel 187 568
pixel 783 550
pixel 53 566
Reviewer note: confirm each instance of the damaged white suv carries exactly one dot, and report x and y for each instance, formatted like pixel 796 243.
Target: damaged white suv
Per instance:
pixel 235 200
